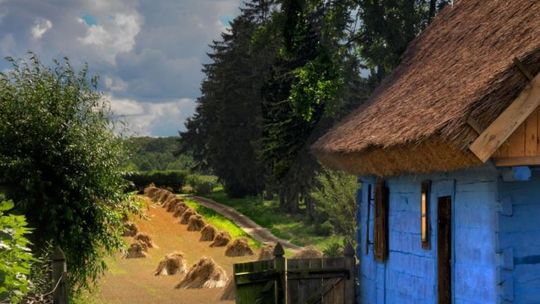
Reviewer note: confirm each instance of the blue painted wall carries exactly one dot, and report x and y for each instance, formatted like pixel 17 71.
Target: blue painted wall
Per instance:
pixel 519 240
pixel 410 273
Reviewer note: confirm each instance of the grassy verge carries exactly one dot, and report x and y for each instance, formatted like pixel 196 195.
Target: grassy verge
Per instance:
pixel 267 214
pixel 221 222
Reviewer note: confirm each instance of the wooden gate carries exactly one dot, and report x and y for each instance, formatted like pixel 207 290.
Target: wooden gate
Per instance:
pixel 296 281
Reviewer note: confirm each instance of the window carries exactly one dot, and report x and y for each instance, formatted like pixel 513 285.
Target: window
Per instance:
pixel 424 214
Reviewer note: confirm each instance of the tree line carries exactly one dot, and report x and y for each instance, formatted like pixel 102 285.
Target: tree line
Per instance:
pixel 283 74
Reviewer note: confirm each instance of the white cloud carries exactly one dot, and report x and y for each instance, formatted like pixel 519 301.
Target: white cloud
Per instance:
pixel 114 36
pixel 115 84
pixel 41 26
pixel 155 118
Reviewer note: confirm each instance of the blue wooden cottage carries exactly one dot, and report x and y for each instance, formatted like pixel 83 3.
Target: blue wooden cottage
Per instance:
pixel 447 151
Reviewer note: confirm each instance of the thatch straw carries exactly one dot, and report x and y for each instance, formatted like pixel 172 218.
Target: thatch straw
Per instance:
pixel 208 233
pixel 461 67
pixel 171 264
pixel 222 239
pixel 238 247
pixel 205 274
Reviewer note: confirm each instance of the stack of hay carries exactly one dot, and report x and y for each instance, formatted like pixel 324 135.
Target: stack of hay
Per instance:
pixel 208 233
pixel 238 247
pixel 205 274
pixel 195 223
pixel 171 264
pixel 222 239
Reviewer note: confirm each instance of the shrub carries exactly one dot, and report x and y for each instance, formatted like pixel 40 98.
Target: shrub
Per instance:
pixel 165 179
pixel 202 184
pixel 335 197
pixel 14 254
pixel 60 162
pixel 324 229
pixel 333 250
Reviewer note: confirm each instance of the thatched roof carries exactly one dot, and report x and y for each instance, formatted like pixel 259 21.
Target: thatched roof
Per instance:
pixel 461 66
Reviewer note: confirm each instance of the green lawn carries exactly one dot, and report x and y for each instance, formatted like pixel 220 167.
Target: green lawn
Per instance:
pixel 267 214
pixel 221 222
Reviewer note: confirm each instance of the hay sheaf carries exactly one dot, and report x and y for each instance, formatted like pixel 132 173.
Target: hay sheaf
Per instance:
pixel 195 223
pixel 229 292
pixel 208 233
pixel 309 252
pixel 136 250
pixel 205 274
pixel 180 209
pixel 168 196
pixel 155 194
pixel 171 206
pixel 266 253
pixel 150 190
pixel 238 247
pixel 222 239
pixel 184 219
pixel 130 229
pixel 163 196
pixel 146 239
pixel 473 41
pixel 171 264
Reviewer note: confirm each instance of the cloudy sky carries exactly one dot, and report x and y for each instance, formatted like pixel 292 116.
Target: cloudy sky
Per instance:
pixel 148 53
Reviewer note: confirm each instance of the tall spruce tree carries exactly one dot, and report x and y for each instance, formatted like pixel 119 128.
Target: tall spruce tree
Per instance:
pixel 224 133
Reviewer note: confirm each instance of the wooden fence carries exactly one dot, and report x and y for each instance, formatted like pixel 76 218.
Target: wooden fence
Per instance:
pixel 297 281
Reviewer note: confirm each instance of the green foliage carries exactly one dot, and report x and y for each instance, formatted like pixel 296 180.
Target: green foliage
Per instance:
pixel 156 154
pixel 202 184
pixel 173 179
pixel 224 134
pixel 335 198
pixel 388 27
pixel 333 250
pixel 60 162
pixel 15 255
pixel 325 229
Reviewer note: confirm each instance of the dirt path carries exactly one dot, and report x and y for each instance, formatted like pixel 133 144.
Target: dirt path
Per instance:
pixel 257 232
pixel 133 281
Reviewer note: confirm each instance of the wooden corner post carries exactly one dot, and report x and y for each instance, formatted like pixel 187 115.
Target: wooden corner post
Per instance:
pixel 350 264
pixel 280 265
pixel 59 276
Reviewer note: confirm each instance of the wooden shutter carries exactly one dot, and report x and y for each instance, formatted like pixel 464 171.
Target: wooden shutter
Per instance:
pixel 424 215
pixel 381 221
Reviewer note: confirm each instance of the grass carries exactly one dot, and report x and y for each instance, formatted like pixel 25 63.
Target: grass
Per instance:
pixel 221 223
pixel 268 214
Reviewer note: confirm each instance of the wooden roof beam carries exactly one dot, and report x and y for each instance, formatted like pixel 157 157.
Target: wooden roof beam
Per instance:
pixel 504 126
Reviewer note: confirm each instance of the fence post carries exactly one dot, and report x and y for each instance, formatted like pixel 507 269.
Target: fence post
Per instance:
pixel 59 273
pixel 280 265
pixel 350 264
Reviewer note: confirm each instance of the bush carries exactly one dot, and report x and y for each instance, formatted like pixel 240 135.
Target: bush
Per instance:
pixel 60 163
pixel 14 254
pixel 324 229
pixel 164 179
pixel 202 184
pixel 335 198
pixel 333 250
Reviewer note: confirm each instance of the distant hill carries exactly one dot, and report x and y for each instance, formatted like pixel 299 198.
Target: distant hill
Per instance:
pixel 156 153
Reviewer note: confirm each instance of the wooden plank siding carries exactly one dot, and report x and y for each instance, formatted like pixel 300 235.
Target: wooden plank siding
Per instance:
pixel 523 146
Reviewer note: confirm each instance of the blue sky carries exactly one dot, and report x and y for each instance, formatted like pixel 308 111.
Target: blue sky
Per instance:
pixel 149 54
